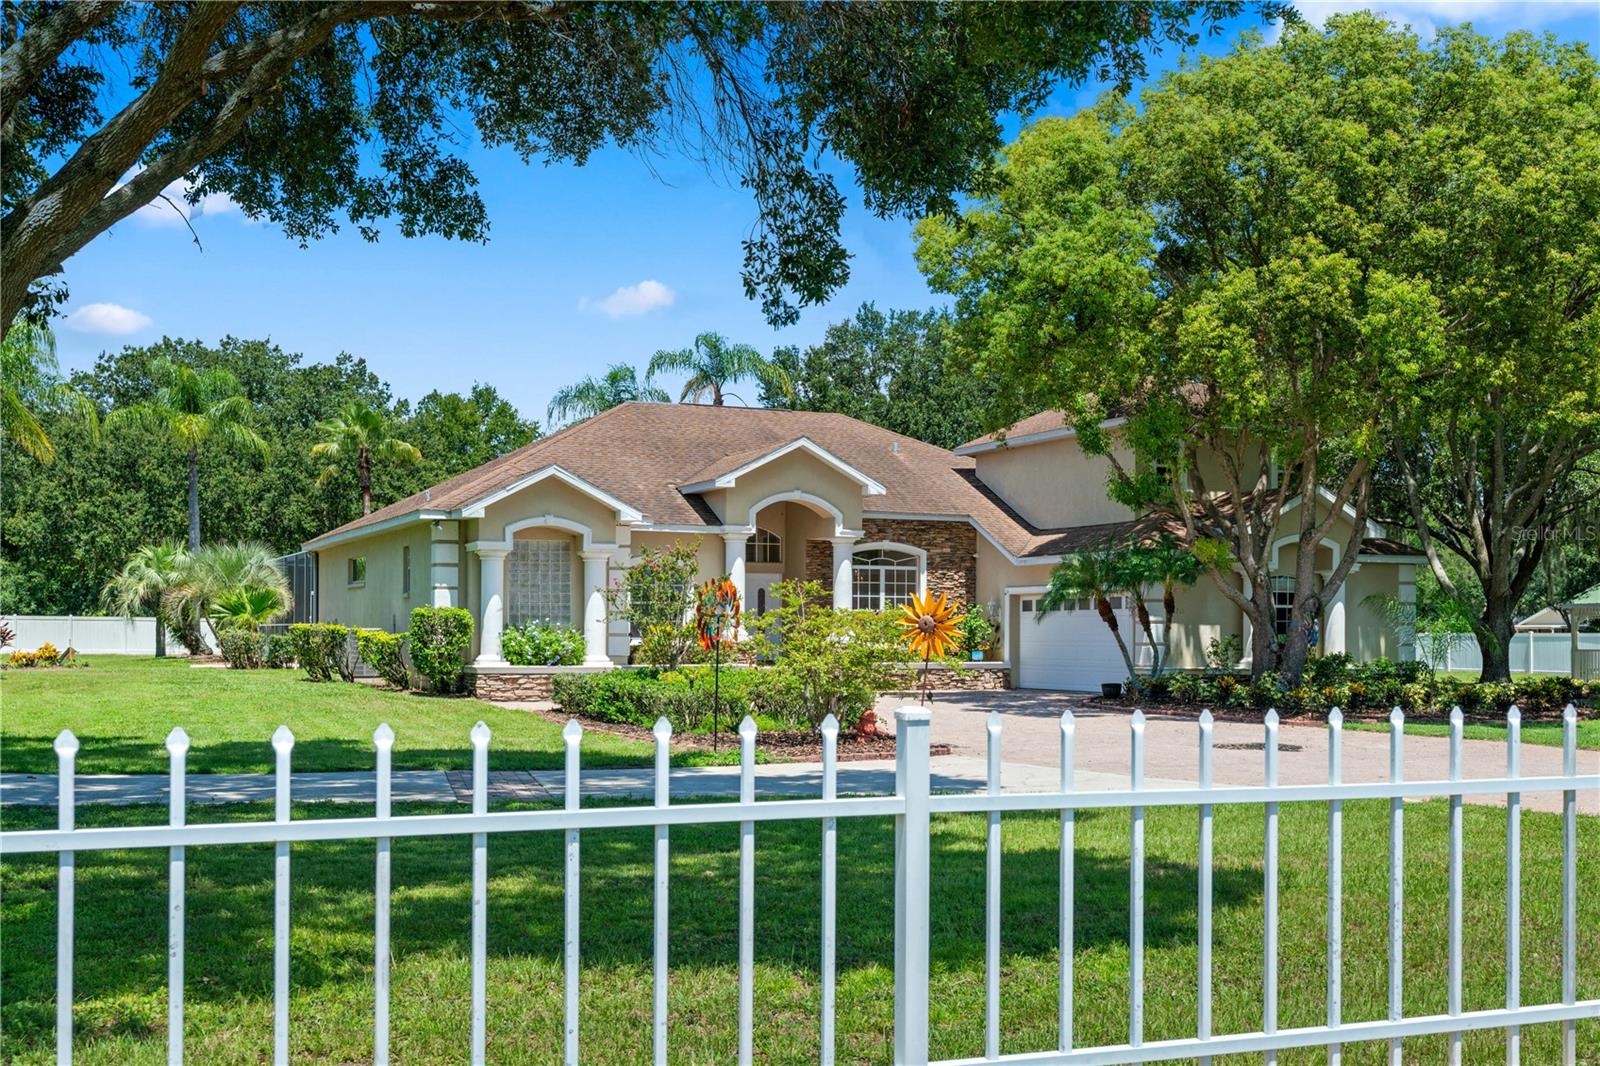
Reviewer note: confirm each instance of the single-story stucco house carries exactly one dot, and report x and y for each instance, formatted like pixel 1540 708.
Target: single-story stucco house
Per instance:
pixel 540 532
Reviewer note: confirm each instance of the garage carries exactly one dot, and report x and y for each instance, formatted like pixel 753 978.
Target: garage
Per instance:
pixel 1068 649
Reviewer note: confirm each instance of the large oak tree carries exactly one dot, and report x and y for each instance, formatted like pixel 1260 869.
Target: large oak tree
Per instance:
pixel 313 113
pixel 1217 269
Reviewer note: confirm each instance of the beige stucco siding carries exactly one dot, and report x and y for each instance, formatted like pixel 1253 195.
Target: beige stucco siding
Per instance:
pixel 1367 634
pixel 799 471
pixel 1054 484
pixel 549 497
pixel 380 602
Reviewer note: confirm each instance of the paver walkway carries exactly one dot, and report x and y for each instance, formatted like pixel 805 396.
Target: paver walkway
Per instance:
pixel 1031 735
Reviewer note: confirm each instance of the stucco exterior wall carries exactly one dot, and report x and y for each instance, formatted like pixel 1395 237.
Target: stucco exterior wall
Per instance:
pixel 381 602
pixel 548 497
pixel 799 471
pixel 1053 484
pixel 1367 634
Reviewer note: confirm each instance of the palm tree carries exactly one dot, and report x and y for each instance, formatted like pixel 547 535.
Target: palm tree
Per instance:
pixel 225 583
pixel 1168 564
pixel 191 407
pixel 31 385
pixel 368 434
pixel 142 586
pixel 1096 576
pixel 713 364
pixel 589 397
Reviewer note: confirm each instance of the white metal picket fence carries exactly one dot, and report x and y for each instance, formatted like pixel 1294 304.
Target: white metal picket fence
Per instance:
pixel 912 807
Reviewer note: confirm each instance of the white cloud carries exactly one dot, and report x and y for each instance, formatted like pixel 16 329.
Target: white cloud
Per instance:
pixel 173 210
pixel 648 295
pixel 111 319
pixel 1426 16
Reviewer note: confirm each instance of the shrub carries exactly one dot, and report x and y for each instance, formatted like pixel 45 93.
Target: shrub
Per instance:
pixel 541 644
pixel 837 661
pixel 440 637
pixel 280 651
pixel 322 649
pixel 655 595
pixel 46 655
pixel 1223 653
pixel 1323 670
pixel 8 636
pixel 243 648
pixel 385 653
pixel 977 631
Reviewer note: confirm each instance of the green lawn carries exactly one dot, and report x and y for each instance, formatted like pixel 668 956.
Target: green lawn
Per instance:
pixel 121 960
pixel 122 709
pixel 1532 732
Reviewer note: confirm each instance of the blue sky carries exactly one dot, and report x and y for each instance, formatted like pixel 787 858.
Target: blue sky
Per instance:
pixel 586 266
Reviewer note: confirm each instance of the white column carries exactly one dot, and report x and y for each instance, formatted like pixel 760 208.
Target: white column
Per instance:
pixel 843 571
pixel 1333 632
pixel 594 608
pixel 492 598
pixel 733 550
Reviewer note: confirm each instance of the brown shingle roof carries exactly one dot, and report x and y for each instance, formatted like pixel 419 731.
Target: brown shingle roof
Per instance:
pixel 642 452
pixel 1043 422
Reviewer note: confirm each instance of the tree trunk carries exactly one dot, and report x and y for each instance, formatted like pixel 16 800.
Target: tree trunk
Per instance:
pixel 364 467
pixel 1494 632
pixel 194 500
pixel 161 636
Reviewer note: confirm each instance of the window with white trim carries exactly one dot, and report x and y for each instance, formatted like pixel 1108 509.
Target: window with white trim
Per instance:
pixel 883 577
pixel 1282 604
pixel 539 582
pixel 763 546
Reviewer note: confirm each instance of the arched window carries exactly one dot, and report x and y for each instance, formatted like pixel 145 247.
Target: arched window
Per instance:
pixel 764 546
pixel 883 577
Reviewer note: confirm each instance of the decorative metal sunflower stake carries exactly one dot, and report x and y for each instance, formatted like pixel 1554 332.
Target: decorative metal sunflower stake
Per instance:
pixel 930 627
pixel 716 622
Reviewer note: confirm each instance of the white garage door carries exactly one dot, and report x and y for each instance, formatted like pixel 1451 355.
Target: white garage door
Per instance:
pixel 1069 649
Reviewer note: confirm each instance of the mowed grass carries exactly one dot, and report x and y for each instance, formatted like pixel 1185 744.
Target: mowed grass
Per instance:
pixel 121 939
pixel 121 708
pixel 1549 733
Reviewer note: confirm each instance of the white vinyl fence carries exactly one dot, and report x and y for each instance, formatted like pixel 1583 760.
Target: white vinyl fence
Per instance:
pixel 912 806
pixel 1531 653
pixel 88 634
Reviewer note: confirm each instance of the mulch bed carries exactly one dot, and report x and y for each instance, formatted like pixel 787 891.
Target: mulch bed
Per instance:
pixel 782 745
pixel 1305 717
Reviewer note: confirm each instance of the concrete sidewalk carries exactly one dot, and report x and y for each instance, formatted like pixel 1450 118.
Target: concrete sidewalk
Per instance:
pixel 874 777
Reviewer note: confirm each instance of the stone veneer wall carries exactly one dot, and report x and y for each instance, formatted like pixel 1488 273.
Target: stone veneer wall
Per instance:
pixel 977 677
pixel 508 687
pixel 952 549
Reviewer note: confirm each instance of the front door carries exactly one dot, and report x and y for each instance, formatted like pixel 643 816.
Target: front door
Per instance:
pixel 758 597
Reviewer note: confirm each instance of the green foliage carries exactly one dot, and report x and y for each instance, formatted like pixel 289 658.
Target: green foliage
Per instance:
pixel 440 637
pixel 831 662
pixel 31 387
pixel 242 647
pixel 712 364
pixel 314 116
pixel 322 650
pixel 152 574
pixel 385 653
pixel 541 644
pixel 900 370
pixel 1223 653
pixel 66 529
pixel 584 399
pixel 229 584
pixel 978 633
pixel 369 436
pixel 280 651
pixel 684 697
pixel 655 595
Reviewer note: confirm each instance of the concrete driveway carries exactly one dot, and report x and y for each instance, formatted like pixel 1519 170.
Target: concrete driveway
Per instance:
pixel 1031 735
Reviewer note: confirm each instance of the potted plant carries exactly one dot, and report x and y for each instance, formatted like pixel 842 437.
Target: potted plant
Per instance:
pixel 977 634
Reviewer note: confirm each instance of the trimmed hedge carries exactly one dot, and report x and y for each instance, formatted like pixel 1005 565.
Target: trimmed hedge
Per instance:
pixel 322 650
pixel 440 637
pixel 539 644
pixel 385 653
pixel 1334 681
pixel 683 696
pixel 242 648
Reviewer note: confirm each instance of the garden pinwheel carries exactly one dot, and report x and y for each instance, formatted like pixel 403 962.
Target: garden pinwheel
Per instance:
pixel 931 628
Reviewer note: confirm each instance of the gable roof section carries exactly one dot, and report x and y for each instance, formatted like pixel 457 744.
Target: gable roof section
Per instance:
pixel 725 472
